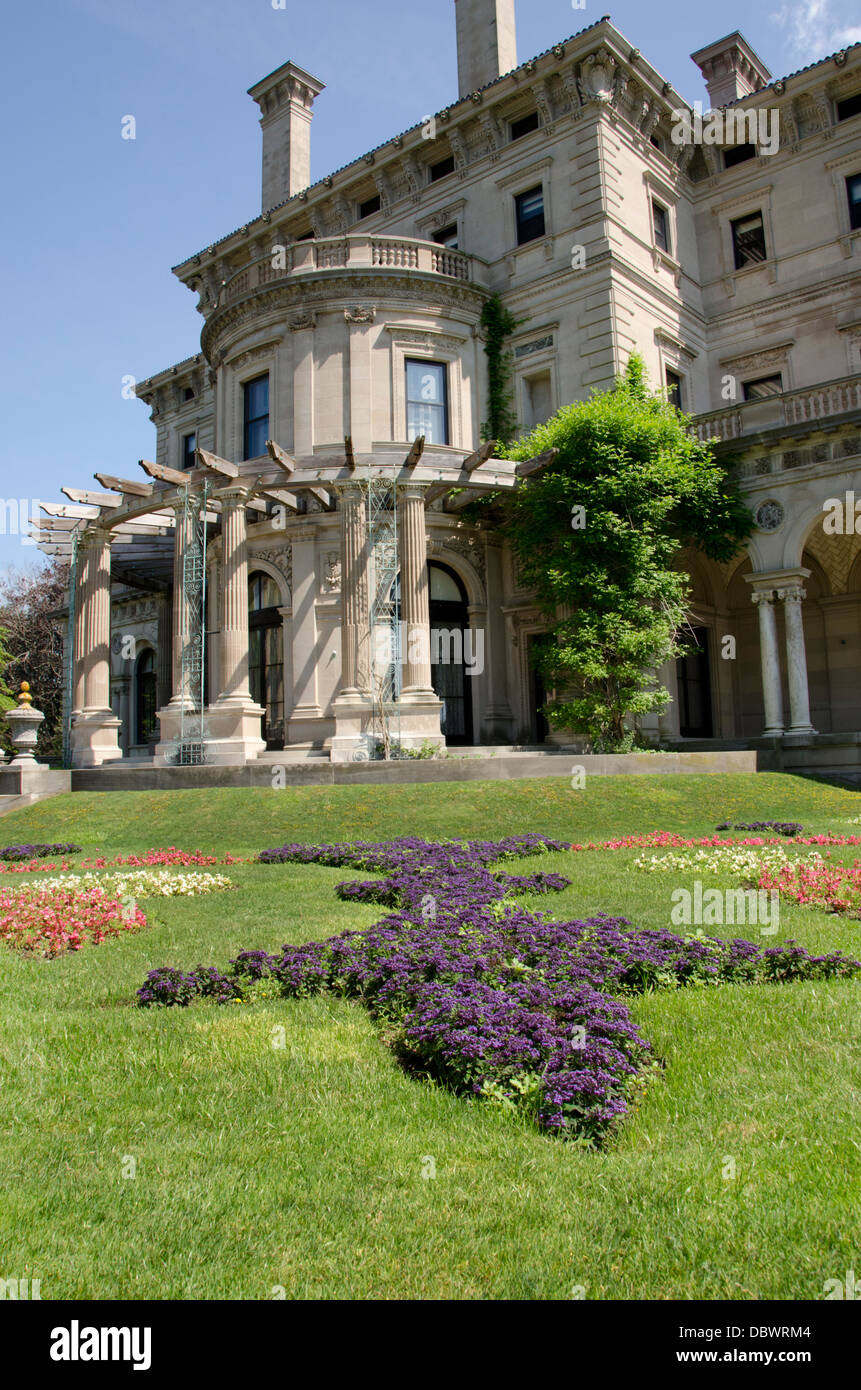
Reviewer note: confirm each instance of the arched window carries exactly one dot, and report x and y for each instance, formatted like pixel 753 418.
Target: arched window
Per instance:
pixel 265 663
pixel 145 697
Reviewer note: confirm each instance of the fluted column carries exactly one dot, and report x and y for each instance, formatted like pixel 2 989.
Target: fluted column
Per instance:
pixel 80 656
pixel 234 598
pixel 97 623
pixel 796 660
pixel 164 652
pixel 182 538
pixel 415 595
pixel 354 587
pixel 770 659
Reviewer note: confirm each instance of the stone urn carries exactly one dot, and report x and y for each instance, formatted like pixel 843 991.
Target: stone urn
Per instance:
pixel 24 724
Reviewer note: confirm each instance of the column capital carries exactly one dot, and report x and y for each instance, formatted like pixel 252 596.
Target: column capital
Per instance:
pixel 234 496
pixel 762 596
pixel 793 593
pixel 412 492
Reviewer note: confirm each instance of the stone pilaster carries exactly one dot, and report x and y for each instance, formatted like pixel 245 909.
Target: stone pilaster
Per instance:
pixel 182 538
pixel 164 653
pixel 497 721
pixel 770 659
pixel 304 654
pixel 796 660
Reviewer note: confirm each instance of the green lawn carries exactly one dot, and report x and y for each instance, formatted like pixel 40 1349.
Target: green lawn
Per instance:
pixel 301 1169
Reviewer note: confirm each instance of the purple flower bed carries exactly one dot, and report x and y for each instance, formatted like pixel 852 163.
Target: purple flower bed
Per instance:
pixel 780 827
pixel 484 996
pixel 12 853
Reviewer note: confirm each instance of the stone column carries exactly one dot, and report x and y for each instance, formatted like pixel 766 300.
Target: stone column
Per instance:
pixel 164 653
pixel 354 588
pixel 97 625
pixel 305 656
pixel 95 728
pixel 182 537
pixel 796 660
pixel 79 654
pixel 234 597
pixel 234 719
pixel 770 658
pixel 415 593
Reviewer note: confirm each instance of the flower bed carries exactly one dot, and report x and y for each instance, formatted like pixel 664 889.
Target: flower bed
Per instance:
pixel 671 839
pixel 816 883
pixel 480 994
pixel 50 920
pixel 145 883
pixel 14 853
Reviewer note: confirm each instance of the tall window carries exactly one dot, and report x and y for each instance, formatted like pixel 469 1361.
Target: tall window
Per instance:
pixel 661 227
pixel 256 416
pixel 189 444
pixel 674 388
pixel 529 210
pixel 748 240
pixel 265 645
pixel 761 388
pixel 853 192
pixel 427 401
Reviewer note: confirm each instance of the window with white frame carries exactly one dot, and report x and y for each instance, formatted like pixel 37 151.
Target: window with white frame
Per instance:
pixel 427 400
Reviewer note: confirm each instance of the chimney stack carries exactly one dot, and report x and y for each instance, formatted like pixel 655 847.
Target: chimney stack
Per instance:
pixel 285 99
pixel 731 69
pixel 486 42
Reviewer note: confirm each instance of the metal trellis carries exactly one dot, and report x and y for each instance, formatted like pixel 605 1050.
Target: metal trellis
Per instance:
pixel 381 499
pixel 192 733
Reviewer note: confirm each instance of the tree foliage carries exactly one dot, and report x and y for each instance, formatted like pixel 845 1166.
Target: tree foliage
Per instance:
pixel 597 535
pixel 498 323
pixel 30 601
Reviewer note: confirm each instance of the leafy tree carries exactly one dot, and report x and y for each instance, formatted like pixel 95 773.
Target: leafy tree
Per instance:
pixel 30 601
pixel 596 535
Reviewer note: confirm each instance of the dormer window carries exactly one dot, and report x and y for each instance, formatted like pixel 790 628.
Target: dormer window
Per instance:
pixel 849 106
pixel 738 155
pixel 524 126
pixel 442 169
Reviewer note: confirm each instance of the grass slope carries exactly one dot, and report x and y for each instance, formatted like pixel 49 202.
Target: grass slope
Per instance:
pixel 300 1168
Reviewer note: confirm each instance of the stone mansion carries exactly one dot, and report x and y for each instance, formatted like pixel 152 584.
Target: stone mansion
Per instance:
pixel 341 372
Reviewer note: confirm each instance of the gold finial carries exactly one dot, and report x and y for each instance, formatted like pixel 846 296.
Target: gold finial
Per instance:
pixel 25 698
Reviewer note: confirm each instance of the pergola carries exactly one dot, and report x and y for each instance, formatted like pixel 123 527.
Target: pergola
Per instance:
pixel 141 530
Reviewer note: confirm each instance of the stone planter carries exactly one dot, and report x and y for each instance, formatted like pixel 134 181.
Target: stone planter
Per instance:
pixel 24 722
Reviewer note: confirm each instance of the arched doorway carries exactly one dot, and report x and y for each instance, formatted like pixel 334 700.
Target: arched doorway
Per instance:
pixel 449 614
pixel 265 657
pixel 145 698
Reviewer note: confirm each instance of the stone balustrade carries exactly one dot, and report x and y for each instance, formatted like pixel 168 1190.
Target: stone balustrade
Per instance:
pixel 823 401
pixel 365 253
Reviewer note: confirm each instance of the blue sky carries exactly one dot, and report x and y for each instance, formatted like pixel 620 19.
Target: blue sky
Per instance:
pixel 91 223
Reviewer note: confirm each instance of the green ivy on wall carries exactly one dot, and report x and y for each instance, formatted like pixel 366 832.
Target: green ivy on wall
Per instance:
pixel 498 323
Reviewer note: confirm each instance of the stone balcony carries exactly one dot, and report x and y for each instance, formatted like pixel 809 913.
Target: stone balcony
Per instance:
pixel 828 406
pixel 361 254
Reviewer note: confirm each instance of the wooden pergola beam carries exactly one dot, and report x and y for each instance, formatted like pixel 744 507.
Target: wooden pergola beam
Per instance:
pixel 108 500
pixel 479 457
pixel 164 474
pixel 278 455
pixel 415 452
pixel 534 465
pixel 285 498
pixel 216 464
pixel 66 509
pixel 127 486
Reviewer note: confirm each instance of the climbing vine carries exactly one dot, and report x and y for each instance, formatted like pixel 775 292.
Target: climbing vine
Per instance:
pixel 498 324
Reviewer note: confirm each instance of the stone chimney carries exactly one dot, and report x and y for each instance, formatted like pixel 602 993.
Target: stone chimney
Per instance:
pixel 731 69
pixel 486 42
pixel 285 99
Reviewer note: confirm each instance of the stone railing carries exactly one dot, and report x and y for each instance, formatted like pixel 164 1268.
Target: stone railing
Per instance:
pixel 366 253
pixel 810 403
